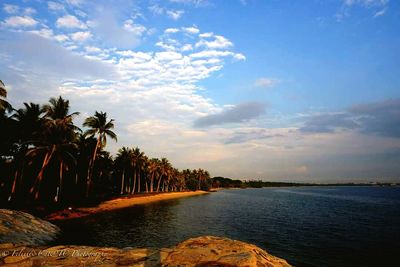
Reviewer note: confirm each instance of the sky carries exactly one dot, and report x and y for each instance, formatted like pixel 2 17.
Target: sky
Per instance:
pixel 304 91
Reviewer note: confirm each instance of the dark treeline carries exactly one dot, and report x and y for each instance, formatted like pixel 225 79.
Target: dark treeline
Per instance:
pixel 222 182
pixel 45 159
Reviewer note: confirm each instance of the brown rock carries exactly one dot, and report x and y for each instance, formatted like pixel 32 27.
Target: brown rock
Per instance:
pixel 200 251
pixel 22 228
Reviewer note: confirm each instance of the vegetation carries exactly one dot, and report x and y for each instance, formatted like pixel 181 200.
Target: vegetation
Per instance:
pixel 45 159
pixel 222 182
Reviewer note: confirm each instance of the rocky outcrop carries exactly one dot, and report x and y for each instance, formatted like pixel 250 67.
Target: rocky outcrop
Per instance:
pixel 218 251
pixel 200 251
pixel 22 237
pixel 22 228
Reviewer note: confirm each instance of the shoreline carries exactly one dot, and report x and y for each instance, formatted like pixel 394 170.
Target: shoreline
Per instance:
pixel 119 203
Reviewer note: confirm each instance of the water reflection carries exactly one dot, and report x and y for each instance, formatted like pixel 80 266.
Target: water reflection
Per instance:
pixel 303 227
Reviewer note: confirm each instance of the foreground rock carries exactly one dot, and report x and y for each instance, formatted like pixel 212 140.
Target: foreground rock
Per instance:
pixel 22 228
pixel 217 251
pixel 201 251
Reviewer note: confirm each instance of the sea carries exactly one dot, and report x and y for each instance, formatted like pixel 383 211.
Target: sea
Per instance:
pixel 307 226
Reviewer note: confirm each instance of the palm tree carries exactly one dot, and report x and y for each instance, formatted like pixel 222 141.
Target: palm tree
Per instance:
pixel 98 125
pixel 152 169
pixel 165 165
pixel 123 162
pixel 29 123
pixel 3 95
pixel 57 139
pixel 137 157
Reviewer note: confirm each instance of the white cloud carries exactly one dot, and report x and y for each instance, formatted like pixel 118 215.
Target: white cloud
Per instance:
pixel 46 33
pixel 219 42
pixel 81 36
pixel 29 11
pixel 366 3
pixel 191 30
pixel 211 53
pixel 186 47
pixel 61 37
pixel 206 35
pixel 265 82
pixel 92 49
pixel 175 14
pixel 239 56
pixel 69 21
pixel 18 21
pixel 10 9
pixel 54 6
pixel 75 2
pixel 378 6
pixel 156 9
pixel 171 30
pixel 137 29
pixel 380 13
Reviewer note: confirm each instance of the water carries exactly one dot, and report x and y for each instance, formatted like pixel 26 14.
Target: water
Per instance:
pixel 308 226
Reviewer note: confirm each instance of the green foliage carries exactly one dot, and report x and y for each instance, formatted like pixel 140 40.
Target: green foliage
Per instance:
pixel 46 160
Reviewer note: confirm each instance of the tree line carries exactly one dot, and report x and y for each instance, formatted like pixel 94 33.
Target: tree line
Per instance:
pixel 46 159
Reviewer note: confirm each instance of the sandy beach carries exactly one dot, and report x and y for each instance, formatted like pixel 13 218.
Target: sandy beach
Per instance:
pixel 120 203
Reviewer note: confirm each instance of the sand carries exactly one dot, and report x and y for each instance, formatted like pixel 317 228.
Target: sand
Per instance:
pixel 120 203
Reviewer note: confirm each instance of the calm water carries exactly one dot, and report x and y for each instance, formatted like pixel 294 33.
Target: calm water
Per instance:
pixel 310 226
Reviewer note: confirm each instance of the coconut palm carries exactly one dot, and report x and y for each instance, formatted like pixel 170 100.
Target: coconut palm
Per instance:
pixel 123 162
pixel 56 140
pixel 3 95
pixel 98 125
pixel 152 169
pixel 165 166
pixel 29 123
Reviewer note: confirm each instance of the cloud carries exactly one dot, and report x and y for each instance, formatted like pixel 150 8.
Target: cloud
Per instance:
pixel 10 9
pixel 378 6
pixel 239 113
pixel 265 82
pixel 378 118
pixel 196 3
pixel 328 123
pixel 380 13
pixel 190 30
pixel 246 135
pixel 81 36
pixel 171 30
pixel 366 3
pixel 219 42
pixel 74 2
pixel 55 6
pixel 69 21
pixel 105 25
pixel 175 14
pixel 43 56
pixel 19 21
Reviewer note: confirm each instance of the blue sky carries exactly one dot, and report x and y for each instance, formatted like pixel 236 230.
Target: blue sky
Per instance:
pixel 278 90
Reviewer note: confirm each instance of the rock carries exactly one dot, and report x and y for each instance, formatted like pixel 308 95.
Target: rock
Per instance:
pixel 24 236
pixel 200 251
pixel 218 251
pixel 22 228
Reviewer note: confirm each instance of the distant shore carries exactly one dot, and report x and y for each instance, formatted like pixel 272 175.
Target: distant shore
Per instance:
pixel 120 203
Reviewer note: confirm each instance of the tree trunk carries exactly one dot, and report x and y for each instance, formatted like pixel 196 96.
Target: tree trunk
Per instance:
pixel 139 180
pixel 145 183
pixel 159 182
pixel 39 178
pixel 14 186
pixel 57 198
pixel 151 182
pixel 134 182
pixel 122 181
pixel 90 168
